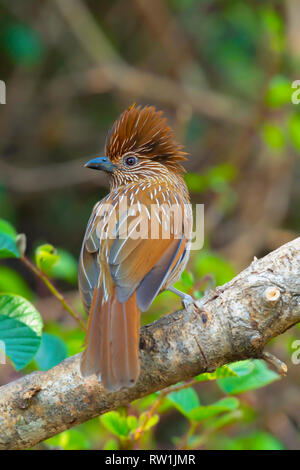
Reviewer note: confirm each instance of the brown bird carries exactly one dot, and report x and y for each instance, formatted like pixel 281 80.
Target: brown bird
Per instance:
pixel 136 243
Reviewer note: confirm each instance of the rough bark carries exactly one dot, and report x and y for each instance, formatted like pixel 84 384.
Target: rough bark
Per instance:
pixel 232 322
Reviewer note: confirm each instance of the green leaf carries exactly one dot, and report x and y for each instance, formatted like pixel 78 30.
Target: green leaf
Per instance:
pixel 279 92
pixel 184 400
pixel 12 282
pixel 258 377
pixel 215 178
pixel 224 371
pixel 146 402
pixel 20 329
pixel 72 337
pixel 294 130
pixel 196 182
pixel 22 44
pixel 74 340
pixel 272 22
pixel 187 279
pixel 7 228
pixel 115 423
pixel 65 268
pixel 218 176
pixel 203 412
pixel 46 257
pixel 8 236
pixel 207 262
pixel 257 440
pixel 219 422
pixel 273 136
pixel 132 422
pixel 52 351
pixel 70 440
pixel 151 422
pixel 242 367
pixel 111 444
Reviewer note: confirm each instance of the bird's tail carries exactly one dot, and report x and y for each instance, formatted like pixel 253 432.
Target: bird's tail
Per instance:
pixel 112 343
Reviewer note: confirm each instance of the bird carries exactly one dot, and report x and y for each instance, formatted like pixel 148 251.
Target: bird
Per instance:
pixel 121 271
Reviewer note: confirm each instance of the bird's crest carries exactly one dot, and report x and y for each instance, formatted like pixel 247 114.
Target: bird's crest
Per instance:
pixel 143 131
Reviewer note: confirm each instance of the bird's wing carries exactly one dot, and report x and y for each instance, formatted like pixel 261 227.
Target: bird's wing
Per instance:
pixel 89 269
pixel 128 261
pixel 143 263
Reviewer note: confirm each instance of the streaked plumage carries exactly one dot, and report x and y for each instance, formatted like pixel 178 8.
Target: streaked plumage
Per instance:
pixel 119 277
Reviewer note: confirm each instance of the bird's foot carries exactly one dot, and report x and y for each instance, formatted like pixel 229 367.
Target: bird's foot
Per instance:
pixel 186 299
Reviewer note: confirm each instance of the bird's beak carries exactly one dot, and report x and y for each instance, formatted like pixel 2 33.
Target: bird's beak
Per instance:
pixel 101 163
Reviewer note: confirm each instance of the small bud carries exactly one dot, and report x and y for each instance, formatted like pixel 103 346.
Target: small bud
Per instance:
pixel 21 243
pixel 280 366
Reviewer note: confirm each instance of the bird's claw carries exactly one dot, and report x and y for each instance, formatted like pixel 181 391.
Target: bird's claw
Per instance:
pixel 188 301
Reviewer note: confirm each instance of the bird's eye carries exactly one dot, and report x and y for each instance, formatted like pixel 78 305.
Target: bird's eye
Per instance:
pixel 130 160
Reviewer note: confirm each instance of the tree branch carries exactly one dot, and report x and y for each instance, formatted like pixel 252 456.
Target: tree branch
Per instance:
pixel 232 322
pixel 141 84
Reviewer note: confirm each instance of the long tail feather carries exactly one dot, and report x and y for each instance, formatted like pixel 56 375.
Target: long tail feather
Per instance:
pixel 125 332
pixel 112 350
pixel 90 357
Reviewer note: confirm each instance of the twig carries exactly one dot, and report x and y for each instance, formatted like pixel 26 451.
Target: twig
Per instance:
pixel 139 431
pixel 85 28
pixel 54 291
pixel 142 84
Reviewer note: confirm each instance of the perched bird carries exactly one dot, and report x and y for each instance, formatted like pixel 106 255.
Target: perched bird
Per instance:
pixel 121 270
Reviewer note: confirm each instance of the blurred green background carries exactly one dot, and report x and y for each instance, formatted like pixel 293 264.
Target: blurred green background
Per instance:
pixel 222 72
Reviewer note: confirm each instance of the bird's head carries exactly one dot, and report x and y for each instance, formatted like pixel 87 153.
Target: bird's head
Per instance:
pixel 140 145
